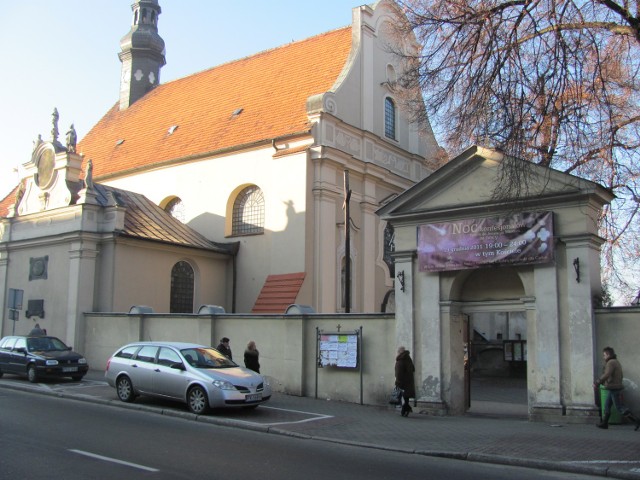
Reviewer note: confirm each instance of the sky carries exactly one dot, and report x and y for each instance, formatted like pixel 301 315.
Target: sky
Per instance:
pixel 64 54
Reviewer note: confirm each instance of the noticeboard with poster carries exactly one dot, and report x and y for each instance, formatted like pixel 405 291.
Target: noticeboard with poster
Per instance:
pixel 338 350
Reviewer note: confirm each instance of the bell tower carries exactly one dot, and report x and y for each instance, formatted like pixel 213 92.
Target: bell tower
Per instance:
pixel 142 53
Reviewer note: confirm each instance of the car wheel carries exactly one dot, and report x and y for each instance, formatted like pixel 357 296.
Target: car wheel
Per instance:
pixel 77 378
pixel 32 376
pixel 124 387
pixel 197 400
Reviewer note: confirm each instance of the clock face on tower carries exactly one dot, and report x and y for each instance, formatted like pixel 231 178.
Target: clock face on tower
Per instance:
pixel 45 164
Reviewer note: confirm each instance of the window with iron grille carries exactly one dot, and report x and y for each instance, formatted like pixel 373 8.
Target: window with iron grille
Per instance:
pixel 248 212
pixel 389 118
pixel 181 288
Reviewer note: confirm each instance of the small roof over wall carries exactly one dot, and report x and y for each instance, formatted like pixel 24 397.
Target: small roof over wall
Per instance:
pixel 278 292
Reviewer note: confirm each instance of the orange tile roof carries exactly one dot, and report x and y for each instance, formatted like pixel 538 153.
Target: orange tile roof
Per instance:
pixel 7 201
pixel 270 87
pixel 278 292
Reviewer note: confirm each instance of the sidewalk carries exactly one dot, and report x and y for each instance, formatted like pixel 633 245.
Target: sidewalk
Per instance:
pixel 510 440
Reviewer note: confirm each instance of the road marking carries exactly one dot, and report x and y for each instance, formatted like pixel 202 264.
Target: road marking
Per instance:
pixel 114 460
pixel 318 416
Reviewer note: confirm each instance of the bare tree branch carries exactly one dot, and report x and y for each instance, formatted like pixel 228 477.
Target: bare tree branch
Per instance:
pixel 556 82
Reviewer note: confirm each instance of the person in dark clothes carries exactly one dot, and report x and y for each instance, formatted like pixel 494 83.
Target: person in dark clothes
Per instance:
pixel 251 357
pixel 36 331
pixel 611 378
pixel 224 348
pixel 404 379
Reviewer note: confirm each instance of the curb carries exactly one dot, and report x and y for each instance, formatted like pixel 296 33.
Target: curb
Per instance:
pixel 610 472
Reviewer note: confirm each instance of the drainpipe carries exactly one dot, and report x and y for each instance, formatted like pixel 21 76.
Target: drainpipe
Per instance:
pixel 234 274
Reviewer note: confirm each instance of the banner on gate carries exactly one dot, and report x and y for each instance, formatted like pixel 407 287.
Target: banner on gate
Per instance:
pixel 519 239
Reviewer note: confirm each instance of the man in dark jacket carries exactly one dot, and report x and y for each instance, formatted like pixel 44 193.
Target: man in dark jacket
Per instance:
pixel 404 379
pixel 611 379
pixel 224 348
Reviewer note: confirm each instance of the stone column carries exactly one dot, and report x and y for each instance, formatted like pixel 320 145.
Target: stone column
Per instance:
pixel 82 273
pixel 404 299
pixel 324 238
pixel 429 343
pixel 583 280
pixel 369 247
pixel 543 347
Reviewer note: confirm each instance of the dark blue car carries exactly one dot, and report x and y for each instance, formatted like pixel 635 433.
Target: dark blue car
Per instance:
pixel 40 357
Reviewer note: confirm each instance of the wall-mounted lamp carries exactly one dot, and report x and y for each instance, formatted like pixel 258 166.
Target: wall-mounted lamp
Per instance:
pixel 400 278
pixel 576 267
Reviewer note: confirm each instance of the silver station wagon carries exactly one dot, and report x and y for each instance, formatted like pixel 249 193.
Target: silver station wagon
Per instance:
pixel 199 376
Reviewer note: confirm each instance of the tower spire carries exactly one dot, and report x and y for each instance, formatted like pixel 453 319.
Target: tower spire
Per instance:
pixel 142 53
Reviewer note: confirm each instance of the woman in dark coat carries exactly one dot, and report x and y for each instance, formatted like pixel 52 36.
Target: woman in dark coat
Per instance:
pixel 251 357
pixel 404 379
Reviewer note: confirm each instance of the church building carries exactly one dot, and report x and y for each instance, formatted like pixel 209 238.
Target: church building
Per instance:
pixel 227 187
pixel 294 177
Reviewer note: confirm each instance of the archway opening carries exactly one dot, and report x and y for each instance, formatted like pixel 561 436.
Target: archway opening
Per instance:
pixel 495 343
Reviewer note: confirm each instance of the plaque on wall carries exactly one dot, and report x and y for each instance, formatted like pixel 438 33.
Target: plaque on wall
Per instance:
pixel 35 308
pixel 38 267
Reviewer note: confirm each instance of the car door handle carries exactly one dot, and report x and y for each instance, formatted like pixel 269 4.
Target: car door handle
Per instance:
pixel 156 370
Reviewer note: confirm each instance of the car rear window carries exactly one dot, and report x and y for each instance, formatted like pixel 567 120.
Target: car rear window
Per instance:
pixel 127 352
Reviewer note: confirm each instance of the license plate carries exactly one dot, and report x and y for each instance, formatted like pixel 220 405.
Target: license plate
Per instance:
pixel 253 398
pixel 69 369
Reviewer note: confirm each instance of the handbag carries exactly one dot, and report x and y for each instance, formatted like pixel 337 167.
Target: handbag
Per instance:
pixel 396 396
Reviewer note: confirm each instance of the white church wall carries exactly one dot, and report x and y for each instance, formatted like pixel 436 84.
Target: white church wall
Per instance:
pixel 207 187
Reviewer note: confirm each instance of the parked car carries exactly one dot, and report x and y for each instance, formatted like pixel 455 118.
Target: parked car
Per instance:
pixel 197 375
pixel 40 357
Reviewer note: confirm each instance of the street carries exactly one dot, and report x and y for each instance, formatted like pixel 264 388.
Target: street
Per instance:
pixel 44 436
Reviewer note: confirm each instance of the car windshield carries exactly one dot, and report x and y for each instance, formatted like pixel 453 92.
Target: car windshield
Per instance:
pixel 206 358
pixel 45 344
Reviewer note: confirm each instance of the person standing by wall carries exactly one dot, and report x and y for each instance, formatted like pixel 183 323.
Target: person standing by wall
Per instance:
pixel 224 348
pixel 251 357
pixel 36 331
pixel 404 379
pixel 611 379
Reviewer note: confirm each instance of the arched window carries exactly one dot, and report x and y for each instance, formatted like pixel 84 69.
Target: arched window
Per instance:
pixel 389 118
pixel 175 208
pixel 181 288
pixel 248 212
